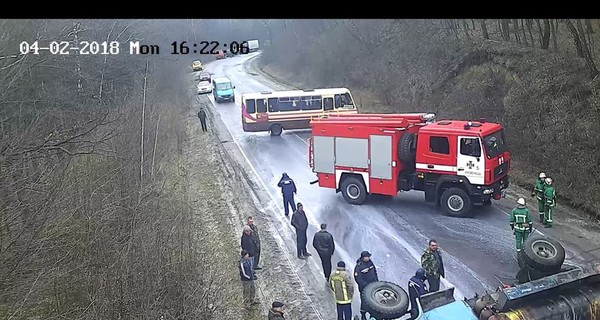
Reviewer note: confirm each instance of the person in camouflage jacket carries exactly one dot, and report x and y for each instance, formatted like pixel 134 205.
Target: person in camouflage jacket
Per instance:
pixel 432 263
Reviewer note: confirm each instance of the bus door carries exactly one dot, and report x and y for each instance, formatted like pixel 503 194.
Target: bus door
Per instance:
pixel 262 116
pixel 327 104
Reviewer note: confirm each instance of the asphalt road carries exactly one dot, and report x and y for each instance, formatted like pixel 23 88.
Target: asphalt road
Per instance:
pixel 476 251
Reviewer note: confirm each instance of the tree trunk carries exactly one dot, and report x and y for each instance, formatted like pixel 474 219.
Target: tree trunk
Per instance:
pixel 590 31
pixel 466 27
pixel 546 35
pixel 515 23
pixel 524 34
pixel 505 29
pixel 540 32
pixel 473 23
pixel 484 29
pixel 553 28
pixel 582 50
pixel 529 25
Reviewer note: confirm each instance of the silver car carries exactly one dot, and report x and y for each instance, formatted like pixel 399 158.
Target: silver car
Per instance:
pixel 204 87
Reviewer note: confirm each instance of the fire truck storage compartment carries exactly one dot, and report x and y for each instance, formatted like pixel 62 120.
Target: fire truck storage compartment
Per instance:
pixel 352 152
pixel 324 156
pixel 381 157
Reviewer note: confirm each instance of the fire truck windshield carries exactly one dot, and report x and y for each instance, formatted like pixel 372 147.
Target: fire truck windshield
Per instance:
pixel 494 144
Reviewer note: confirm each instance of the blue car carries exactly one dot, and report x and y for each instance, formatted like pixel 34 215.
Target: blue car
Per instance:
pixel 223 90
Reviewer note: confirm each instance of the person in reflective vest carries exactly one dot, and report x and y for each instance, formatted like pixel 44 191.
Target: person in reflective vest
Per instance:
pixel 343 288
pixel 520 223
pixel 550 197
pixel 538 193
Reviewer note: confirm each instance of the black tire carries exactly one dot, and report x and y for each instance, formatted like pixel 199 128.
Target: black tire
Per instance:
pixel 543 253
pixel 385 300
pixel 528 274
pixel 276 130
pixel 456 202
pixel 407 151
pixel 354 190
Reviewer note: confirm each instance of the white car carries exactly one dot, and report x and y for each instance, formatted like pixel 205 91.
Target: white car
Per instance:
pixel 204 87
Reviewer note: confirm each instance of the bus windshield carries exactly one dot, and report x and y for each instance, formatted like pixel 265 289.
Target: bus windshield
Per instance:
pixel 223 86
pixel 343 101
pixel 494 144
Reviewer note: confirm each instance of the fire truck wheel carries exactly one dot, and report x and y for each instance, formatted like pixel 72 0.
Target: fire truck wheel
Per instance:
pixel 354 190
pixel 456 202
pixel 407 148
pixel 543 254
pixel 276 130
pixel 385 300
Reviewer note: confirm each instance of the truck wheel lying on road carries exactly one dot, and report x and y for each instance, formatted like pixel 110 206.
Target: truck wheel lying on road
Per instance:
pixel 276 130
pixel 456 202
pixel 543 254
pixel 385 300
pixel 407 151
pixel 354 190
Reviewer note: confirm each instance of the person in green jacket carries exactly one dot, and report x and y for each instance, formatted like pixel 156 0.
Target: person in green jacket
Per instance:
pixel 520 223
pixel 550 197
pixel 538 192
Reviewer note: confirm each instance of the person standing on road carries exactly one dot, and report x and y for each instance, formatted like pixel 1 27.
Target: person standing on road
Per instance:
pixel 432 263
pixel 288 190
pixel 550 197
pixel 364 273
pixel 343 290
pixel 325 246
pixel 276 311
pixel 250 222
pixel 538 193
pixel 416 288
pixel 300 223
pixel 202 117
pixel 520 223
pixel 250 244
pixel 247 277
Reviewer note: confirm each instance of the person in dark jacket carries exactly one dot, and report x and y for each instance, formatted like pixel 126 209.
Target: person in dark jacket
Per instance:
pixel 247 277
pixel 416 288
pixel 364 273
pixel 288 190
pixel 250 223
pixel 202 117
pixel 276 311
pixel 300 222
pixel 325 246
pixel 433 264
pixel 250 244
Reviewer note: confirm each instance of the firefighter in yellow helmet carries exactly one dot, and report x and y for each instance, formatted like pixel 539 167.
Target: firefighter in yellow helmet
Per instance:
pixel 538 193
pixel 550 198
pixel 520 223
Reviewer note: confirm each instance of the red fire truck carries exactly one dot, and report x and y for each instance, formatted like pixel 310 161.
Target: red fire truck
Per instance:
pixel 456 163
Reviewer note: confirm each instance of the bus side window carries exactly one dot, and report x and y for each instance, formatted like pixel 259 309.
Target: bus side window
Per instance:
pixel 328 104
pixel 261 106
pixel 250 106
pixel 273 107
pixel 338 101
pixel 346 100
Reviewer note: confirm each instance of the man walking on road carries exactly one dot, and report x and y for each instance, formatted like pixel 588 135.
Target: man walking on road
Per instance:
pixel 364 273
pixel 202 117
pixel 432 263
pixel 323 243
pixel 247 277
pixel 520 223
pixel 288 189
pixel 250 245
pixel 300 222
pixel 550 197
pixel 343 289
pixel 538 192
pixel 254 228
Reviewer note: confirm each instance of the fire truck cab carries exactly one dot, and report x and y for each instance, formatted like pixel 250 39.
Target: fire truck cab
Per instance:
pixel 456 163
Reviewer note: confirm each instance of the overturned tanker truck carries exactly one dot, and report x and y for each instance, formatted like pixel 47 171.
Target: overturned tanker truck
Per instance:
pixel 545 288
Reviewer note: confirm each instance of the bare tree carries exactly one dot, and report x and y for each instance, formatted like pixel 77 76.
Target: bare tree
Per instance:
pixel 581 47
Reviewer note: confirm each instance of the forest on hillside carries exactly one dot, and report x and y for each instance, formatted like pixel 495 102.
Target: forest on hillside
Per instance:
pixel 93 219
pixel 538 77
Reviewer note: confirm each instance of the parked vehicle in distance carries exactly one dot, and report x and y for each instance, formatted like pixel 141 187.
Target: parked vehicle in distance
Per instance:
pixel 197 65
pixel 278 110
pixel 253 45
pixel 223 89
pixel 204 76
pixel 204 87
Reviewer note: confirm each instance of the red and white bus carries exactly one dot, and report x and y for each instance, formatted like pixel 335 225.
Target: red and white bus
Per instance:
pixel 278 110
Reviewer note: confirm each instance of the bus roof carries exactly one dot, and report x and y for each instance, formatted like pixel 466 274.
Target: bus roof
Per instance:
pixel 307 92
pixel 221 80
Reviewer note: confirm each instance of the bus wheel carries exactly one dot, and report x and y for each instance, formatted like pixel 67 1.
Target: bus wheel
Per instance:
pixel 276 130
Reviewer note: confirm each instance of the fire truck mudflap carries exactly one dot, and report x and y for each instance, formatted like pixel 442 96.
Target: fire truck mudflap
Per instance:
pixel 457 164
